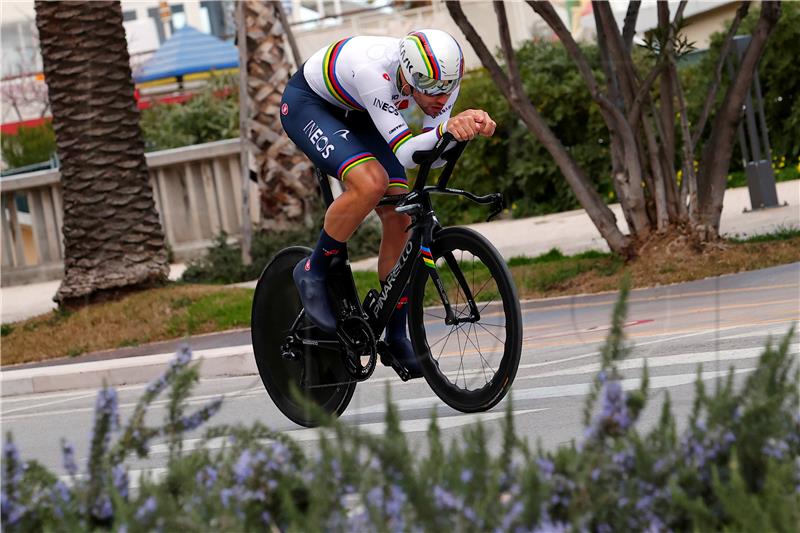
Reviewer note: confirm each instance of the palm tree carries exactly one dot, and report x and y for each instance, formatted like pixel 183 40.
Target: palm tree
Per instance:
pixel 112 235
pixel 286 182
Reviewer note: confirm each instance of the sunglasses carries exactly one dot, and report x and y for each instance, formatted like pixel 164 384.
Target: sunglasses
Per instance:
pixel 433 87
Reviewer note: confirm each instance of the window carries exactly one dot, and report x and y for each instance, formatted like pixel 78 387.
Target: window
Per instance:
pixel 178 19
pixel 128 15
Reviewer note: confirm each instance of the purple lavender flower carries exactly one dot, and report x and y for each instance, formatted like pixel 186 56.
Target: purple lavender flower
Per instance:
pixel 445 498
pixel 225 496
pixel 243 469
pixel 61 490
pixel 466 475
pixel 397 499
pixel 206 477
pixel 107 404
pixel 546 467
pixel 195 420
pixel 102 508
pixel 511 516
pixel 183 357
pixel 120 476
pixel 147 508
pixel 604 528
pixel 546 525
pixel 68 454
pixel 11 511
pixel 776 449
pixel 596 474
pixel 375 496
pixel 624 460
pixel 11 457
pixel 644 503
pixel 614 407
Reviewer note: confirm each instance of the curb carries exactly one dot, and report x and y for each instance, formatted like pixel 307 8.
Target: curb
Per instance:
pixel 216 362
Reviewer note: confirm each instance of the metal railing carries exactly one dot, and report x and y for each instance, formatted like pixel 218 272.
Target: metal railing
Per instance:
pixel 197 192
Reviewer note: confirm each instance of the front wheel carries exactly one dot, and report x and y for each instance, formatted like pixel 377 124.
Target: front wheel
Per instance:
pixel 318 374
pixel 471 364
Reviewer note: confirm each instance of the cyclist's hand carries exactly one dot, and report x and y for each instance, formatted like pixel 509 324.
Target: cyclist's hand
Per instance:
pixel 485 122
pixel 486 125
pixel 463 126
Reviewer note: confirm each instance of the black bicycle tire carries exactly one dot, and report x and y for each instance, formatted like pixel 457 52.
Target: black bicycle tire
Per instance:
pixel 459 399
pixel 275 306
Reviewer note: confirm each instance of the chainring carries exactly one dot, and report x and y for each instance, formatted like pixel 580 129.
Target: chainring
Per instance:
pixel 358 342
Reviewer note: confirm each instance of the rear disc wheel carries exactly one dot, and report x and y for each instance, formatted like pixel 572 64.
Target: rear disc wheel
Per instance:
pixel 318 375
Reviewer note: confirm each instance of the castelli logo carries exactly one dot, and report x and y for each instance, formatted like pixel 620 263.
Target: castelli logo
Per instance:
pixel 386 77
pixel 308 265
pixel 403 104
pixel 285 109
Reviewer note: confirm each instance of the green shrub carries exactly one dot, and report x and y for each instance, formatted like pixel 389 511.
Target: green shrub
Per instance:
pixel 223 261
pixel 210 115
pixel 31 144
pixel 734 467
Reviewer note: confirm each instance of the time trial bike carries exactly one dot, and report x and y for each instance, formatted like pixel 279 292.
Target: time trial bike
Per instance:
pixel 464 315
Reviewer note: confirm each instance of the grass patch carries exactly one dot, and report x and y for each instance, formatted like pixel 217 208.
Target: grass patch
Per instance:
pixel 217 311
pixel 154 315
pixel 781 234
pixel 178 310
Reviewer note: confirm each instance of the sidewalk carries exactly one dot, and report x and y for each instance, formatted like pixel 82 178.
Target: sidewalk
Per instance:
pixel 230 353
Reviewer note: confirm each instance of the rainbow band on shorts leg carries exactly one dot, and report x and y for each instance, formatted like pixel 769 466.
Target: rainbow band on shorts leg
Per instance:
pixel 353 162
pixel 399 139
pixel 332 82
pixel 401 183
pixel 427 257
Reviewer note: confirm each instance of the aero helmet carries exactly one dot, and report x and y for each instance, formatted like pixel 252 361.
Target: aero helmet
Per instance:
pixel 431 61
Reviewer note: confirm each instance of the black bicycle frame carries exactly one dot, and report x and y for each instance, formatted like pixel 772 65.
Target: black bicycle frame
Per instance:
pixel 378 307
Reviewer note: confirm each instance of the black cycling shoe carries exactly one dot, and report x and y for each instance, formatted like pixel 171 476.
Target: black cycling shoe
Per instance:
pixel 314 296
pixel 403 351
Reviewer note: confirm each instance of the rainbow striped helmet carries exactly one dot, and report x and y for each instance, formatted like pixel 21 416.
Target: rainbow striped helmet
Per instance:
pixel 431 61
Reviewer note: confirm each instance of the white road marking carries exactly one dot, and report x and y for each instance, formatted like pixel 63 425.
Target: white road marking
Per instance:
pixel 664 360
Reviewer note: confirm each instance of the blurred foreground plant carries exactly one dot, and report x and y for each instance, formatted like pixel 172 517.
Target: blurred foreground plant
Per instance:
pixel 735 467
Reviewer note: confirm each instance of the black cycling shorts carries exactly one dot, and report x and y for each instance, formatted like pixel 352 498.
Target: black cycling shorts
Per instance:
pixel 334 139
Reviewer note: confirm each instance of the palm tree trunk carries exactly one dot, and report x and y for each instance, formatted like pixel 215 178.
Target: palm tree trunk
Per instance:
pixel 286 182
pixel 112 235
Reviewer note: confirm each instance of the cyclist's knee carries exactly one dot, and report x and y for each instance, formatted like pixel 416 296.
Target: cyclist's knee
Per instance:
pixel 368 180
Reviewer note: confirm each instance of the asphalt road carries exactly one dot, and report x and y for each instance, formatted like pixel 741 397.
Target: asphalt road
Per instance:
pixel 718 323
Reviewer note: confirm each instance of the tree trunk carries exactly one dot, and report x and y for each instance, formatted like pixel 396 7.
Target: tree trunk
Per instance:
pixel 717 151
pixel 112 235
pixel 285 178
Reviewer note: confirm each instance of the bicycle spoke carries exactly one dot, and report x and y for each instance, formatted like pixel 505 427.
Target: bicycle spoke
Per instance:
pixel 483 360
pixel 486 305
pixel 475 294
pixel 492 334
pixel 461 360
pixel 493 325
pixel 445 339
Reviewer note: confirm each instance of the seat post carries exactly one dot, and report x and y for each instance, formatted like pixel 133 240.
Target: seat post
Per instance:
pixel 325 186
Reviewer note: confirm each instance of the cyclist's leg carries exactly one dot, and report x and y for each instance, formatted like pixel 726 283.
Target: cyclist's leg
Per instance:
pixel 393 241
pixel 364 187
pixel 322 132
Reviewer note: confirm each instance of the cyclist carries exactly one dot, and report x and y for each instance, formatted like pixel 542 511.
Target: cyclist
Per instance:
pixel 342 108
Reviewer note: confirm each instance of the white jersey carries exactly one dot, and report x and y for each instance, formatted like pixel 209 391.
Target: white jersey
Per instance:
pixel 361 74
